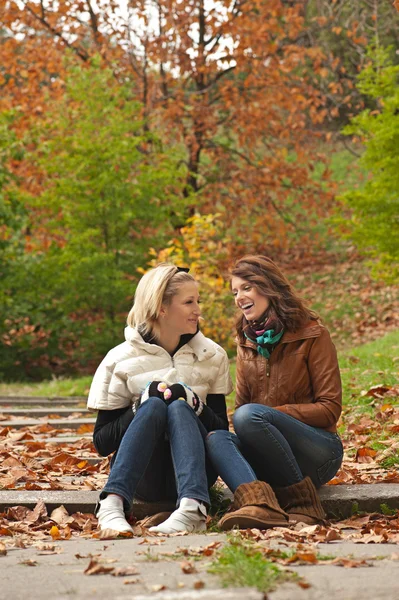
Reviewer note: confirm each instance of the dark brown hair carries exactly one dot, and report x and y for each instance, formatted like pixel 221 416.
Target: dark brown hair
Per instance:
pixel 268 279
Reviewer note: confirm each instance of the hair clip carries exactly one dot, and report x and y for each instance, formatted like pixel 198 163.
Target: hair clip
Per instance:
pixel 182 269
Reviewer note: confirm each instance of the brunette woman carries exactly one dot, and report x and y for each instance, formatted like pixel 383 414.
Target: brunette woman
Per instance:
pixel 287 405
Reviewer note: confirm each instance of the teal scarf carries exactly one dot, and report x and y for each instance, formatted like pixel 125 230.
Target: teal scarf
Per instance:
pixel 265 333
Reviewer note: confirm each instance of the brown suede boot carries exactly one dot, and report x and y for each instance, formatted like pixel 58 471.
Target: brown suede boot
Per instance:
pixel 255 505
pixel 301 502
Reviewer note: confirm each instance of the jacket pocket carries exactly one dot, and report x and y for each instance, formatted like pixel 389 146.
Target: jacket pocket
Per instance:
pixel 327 471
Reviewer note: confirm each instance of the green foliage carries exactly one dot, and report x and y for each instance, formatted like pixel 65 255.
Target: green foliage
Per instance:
pixel 375 221
pixel 109 190
pixel 387 510
pixel 108 180
pixel 13 216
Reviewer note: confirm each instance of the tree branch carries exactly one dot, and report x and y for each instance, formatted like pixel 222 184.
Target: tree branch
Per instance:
pixel 83 55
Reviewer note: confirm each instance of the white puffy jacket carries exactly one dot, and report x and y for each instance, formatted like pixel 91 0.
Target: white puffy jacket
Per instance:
pixel 128 368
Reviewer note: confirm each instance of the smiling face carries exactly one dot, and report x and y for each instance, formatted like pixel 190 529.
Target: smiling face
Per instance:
pixel 182 314
pixel 248 299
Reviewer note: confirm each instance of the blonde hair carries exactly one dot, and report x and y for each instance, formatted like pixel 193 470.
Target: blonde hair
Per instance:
pixel 156 288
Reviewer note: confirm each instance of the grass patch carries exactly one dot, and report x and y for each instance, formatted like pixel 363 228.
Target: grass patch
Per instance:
pixel 55 387
pixel 371 364
pixel 149 556
pixel 238 564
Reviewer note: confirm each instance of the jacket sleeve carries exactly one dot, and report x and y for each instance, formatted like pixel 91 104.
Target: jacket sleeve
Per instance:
pixel 119 394
pixel 110 427
pixel 214 413
pixel 243 395
pixel 222 383
pixel 324 409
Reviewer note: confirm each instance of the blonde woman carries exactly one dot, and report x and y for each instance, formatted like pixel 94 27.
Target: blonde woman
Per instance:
pixel 158 394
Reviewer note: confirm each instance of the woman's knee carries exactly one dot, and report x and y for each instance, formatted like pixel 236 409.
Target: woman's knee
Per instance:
pixel 156 408
pixel 213 437
pixel 242 416
pixel 248 415
pixel 179 408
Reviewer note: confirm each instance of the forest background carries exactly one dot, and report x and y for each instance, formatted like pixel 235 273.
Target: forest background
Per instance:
pixel 192 132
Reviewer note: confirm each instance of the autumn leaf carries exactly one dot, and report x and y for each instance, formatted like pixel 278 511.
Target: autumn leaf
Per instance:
pixel 187 567
pixel 125 571
pixel 97 568
pixel 158 587
pixel 55 533
pixel 365 455
pixel 303 557
pixel 29 562
pixel 377 391
pixel 61 516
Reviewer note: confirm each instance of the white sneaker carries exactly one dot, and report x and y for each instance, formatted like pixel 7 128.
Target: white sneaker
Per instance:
pixel 111 515
pixel 190 516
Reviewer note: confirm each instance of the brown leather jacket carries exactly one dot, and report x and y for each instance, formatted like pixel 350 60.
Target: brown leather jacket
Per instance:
pixel 301 378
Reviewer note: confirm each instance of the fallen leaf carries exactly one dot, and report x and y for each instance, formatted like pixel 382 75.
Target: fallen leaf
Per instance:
pixel 198 585
pixel 364 455
pixel 332 535
pixel 29 562
pixel 304 585
pixel 125 571
pixel 306 557
pixel 350 563
pixel 159 587
pixel 55 532
pixel 111 534
pixel 187 567
pixel 60 515
pixel 96 568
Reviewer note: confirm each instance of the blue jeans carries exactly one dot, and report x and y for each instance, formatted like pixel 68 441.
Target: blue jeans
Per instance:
pixel 273 447
pixel 150 467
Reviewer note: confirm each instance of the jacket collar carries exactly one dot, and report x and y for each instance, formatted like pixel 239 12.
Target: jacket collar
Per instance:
pixel 310 330
pixel 201 346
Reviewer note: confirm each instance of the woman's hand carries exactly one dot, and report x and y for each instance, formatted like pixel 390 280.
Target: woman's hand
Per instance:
pixel 181 391
pixel 157 389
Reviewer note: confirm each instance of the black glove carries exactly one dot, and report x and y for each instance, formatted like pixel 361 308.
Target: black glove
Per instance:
pixel 181 391
pixel 156 389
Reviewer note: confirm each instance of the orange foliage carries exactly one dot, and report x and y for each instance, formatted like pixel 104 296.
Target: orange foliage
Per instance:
pixel 229 82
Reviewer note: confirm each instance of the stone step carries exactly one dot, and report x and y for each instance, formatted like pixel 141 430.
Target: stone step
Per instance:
pixel 43 412
pixel 337 500
pixel 59 439
pixel 42 401
pixel 56 423
pixel 74 501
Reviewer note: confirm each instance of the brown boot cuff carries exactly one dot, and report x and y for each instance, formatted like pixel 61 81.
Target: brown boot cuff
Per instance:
pixel 256 493
pixel 302 499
